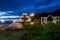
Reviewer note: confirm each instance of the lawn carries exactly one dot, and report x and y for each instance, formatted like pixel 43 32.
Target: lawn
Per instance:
pixel 12 35
pixel 48 31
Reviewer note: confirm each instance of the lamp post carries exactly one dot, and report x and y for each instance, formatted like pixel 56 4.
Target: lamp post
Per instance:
pixel 32 15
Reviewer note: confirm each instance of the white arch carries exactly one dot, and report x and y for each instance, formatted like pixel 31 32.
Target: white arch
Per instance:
pixel 50 16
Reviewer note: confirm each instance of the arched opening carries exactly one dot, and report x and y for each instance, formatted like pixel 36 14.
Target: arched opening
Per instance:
pixel 50 19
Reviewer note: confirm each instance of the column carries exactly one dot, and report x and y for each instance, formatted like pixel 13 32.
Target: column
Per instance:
pixel 42 20
pixel 54 19
pixel 45 20
pixel 58 19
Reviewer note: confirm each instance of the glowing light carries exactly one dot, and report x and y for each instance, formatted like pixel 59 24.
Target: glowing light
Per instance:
pixel 32 23
pixel 14 21
pixel 32 14
pixel 2 21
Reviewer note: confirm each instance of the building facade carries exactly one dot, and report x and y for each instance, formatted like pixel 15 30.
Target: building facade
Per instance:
pixel 54 19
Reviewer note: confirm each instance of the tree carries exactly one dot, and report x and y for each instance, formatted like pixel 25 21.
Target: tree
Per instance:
pixel 24 19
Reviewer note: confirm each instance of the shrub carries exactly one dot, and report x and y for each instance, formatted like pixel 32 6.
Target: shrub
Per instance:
pixel 48 31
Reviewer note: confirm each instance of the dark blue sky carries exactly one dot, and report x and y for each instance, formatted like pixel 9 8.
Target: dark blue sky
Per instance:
pixel 17 7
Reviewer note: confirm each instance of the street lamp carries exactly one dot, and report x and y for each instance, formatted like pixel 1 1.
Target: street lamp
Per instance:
pixel 32 14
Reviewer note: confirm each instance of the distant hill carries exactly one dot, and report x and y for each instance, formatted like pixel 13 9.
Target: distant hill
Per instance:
pixel 6 23
pixel 57 12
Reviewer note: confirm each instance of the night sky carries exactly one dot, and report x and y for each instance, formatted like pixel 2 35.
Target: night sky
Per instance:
pixel 14 8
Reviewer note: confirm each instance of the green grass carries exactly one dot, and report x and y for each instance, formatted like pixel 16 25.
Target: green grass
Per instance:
pixel 48 31
pixel 12 35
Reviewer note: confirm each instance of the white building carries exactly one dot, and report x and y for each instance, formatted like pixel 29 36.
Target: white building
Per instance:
pixel 54 19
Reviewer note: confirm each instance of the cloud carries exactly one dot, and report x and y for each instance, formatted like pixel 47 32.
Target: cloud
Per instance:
pixel 5 13
pixel 10 11
pixel 28 8
pixel 17 7
pixel 9 17
pixel 42 8
pixel 50 5
pixel 2 13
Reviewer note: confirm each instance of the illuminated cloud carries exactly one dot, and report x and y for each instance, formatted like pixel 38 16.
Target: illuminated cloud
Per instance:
pixel 5 13
pixel 9 17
